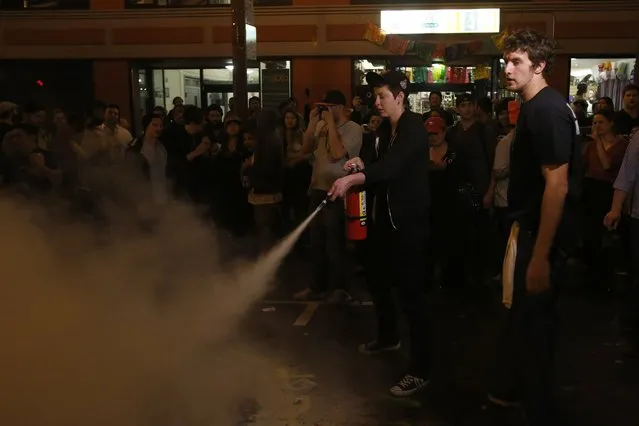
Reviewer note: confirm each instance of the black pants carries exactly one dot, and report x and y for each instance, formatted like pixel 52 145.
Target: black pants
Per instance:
pixel 470 237
pixel 597 201
pixel 328 244
pixel 268 218
pixel 442 249
pixel 524 363
pixel 396 259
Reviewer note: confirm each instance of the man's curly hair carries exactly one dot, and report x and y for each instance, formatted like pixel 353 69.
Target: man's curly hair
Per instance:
pixel 538 47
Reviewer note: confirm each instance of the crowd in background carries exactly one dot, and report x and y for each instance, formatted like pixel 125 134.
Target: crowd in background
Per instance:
pixel 261 175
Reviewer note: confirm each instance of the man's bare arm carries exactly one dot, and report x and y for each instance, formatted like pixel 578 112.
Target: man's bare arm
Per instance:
pixel 552 207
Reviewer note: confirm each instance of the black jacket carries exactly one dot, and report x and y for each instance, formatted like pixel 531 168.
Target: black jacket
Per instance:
pixel 401 173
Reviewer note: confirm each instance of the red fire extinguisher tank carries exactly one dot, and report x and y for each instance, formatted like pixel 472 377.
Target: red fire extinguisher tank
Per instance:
pixel 356 218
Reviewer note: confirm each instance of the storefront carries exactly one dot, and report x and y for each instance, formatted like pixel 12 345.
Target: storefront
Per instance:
pixel 424 38
pixel 447 79
pixel 158 83
pixel 593 78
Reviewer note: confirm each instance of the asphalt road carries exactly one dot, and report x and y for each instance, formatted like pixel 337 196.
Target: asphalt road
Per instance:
pixel 329 384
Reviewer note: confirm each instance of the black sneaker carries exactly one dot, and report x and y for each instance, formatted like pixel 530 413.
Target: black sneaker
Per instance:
pixel 408 386
pixel 374 348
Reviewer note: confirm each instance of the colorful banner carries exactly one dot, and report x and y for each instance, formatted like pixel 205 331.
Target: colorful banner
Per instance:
pixel 375 34
pixel 498 39
pixel 426 51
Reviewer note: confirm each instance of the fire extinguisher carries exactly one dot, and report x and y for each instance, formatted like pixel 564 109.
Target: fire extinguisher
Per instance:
pixel 356 218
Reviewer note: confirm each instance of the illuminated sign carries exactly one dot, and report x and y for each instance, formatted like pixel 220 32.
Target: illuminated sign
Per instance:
pixel 442 21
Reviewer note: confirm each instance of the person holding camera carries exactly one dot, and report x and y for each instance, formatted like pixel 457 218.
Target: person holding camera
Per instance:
pixel 333 139
pixel 399 229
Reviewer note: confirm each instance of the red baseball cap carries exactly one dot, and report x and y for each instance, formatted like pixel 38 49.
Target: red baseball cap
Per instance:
pixel 435 125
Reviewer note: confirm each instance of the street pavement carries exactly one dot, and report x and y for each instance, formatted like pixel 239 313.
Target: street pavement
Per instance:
pixel 314 347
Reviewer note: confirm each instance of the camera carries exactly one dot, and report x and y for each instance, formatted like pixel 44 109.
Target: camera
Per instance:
pixel 321 109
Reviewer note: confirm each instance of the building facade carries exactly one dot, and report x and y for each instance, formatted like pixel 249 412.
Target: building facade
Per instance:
pixel 153 50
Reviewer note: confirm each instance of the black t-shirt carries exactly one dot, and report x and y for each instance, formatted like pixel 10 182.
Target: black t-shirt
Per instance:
pixel 546 133
pixel 624 123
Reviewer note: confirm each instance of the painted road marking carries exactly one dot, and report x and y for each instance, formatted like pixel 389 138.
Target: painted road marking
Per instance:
pixel 306 316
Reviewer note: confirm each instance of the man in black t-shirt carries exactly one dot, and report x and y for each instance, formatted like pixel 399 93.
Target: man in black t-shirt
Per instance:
pixel 540 165
pixel 628 117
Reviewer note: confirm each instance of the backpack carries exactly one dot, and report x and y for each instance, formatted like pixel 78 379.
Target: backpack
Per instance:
pixel 576 166
pixel 568 233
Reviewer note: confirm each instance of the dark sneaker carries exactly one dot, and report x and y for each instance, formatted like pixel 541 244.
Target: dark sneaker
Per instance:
pixel 374 348
pixel 408 385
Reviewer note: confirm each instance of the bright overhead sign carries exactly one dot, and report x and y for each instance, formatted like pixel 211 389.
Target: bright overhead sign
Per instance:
pixel 441 21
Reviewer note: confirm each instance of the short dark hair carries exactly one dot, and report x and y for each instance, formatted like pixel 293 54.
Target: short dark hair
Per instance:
pixel 112 106
pixel 608 101
pixel 148 118
pixel 630 88
pixel 215 107
pixel 435 92
pixel 538 47
pixel 609 115
pixel 193 115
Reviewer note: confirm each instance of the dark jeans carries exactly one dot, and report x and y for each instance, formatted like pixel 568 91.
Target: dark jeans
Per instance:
pixel 328 244
pixel 396 258
pixel 470 235
pixel 442 249
pixel 267 223
pixel 524 363
pixel 597 201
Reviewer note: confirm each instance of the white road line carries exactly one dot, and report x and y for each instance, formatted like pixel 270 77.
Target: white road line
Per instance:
pixel 306 316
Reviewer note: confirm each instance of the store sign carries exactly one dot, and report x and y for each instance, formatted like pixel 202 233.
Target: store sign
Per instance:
pixel 276 87
pixel 442 21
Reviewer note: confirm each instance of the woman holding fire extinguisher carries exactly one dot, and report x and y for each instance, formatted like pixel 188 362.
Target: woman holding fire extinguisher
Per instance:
pixel 399 229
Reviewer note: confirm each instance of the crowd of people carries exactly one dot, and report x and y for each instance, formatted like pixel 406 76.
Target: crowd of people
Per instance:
pixel 436 184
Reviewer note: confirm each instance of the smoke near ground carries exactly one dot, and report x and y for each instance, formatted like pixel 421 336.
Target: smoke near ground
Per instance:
pixel 134 329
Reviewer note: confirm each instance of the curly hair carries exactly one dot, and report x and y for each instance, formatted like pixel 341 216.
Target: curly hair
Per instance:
pixel 540 49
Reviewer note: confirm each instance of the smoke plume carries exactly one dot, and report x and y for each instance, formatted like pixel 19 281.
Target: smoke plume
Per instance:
pixel 112 325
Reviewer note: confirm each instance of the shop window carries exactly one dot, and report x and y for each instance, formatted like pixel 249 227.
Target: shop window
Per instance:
pixel 176 83
pixel 200 3
pixel 593 78
pixel 426 2
pixel 44 4
pixel 449 80
pixel 268 80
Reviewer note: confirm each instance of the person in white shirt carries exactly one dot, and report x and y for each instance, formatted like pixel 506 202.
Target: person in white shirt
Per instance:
pixel 333 139
pixel 117 137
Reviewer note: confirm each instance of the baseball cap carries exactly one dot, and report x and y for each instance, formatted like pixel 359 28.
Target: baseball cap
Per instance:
pixel 392 79
pixel 7 106
pixel 435 125
pixel 464 97
pixel 334 97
